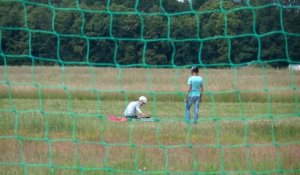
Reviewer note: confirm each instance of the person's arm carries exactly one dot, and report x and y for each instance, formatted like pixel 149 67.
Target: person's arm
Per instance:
pixel 140 113
pixel 201 90
pixel 188 92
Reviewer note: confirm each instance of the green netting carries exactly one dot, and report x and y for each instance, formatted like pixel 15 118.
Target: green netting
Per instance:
pixel 67 65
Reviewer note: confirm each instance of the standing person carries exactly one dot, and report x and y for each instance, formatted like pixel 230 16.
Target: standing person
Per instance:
pixel 194 94
pixel 133 110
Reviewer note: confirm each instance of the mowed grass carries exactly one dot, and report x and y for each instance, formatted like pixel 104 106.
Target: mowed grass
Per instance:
pixel 53 120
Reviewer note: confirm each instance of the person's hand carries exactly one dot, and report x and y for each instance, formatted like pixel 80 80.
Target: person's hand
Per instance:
pixel 141 115
pixel 146 116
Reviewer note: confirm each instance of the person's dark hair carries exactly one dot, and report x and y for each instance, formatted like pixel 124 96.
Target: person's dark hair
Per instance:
pixel 195 69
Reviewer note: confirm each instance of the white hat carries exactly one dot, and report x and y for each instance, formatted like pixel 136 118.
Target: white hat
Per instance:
pixel 143 99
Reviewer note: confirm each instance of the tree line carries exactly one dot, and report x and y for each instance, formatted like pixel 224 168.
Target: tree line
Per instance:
pixel 150 32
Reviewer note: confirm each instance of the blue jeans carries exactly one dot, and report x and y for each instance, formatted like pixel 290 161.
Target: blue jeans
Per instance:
pixel 190 101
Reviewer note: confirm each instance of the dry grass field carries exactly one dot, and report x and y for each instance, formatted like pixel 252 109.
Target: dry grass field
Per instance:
pixel 134 79
pixel 53 120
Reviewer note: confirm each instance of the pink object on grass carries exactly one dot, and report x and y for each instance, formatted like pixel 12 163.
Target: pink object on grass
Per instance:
pixel 114 118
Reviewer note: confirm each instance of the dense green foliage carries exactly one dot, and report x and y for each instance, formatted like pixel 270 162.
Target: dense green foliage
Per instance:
pixel 149 32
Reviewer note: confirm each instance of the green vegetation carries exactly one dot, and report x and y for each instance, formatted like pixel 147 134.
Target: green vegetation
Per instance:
pixel 153 33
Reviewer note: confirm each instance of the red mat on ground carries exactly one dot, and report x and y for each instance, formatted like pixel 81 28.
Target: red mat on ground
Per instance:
pixel 115 118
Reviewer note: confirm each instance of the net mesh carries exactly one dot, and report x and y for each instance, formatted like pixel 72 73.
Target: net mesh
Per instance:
pixel 54 119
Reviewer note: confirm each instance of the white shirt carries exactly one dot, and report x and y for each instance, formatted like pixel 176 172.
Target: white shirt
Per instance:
pixel 133 108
